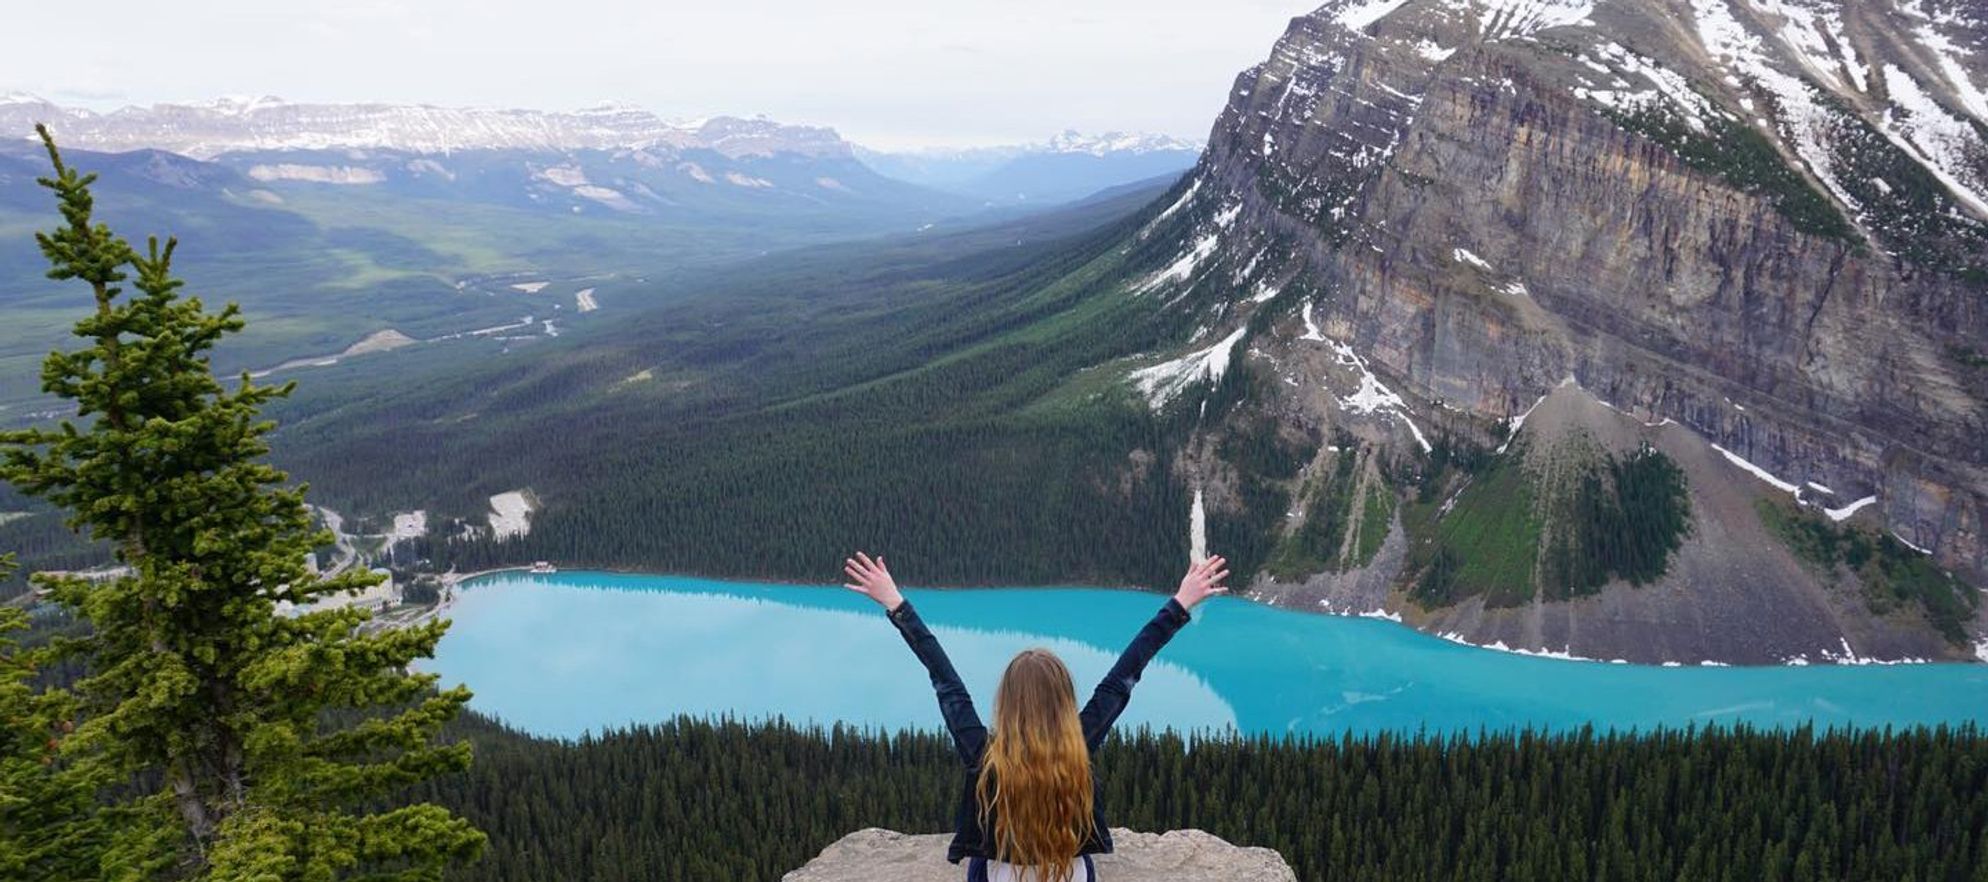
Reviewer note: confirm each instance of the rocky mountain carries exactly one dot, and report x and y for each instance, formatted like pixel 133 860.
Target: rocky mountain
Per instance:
pixel 1070 165
pixel 618 160
pixel 679 183
pixel 232 125
pixel 325 246
pixel 1643 329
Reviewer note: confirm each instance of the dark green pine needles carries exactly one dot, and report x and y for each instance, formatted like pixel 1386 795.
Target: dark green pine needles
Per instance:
pixel 203 711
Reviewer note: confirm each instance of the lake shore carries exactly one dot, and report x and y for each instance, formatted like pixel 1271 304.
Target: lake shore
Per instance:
pixel 1825 657
pixel 577 650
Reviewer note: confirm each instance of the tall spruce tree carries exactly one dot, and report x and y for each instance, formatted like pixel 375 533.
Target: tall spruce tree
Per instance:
pixel 213 712
pixel 48 826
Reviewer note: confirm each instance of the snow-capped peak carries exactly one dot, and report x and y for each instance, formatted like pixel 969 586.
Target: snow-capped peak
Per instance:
pixel 237 104
pixel 235 124
pixel 21 98
pixel 1073 141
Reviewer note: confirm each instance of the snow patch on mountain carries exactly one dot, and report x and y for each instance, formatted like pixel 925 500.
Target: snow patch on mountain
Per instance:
pixel 564 176
pixel 1666 88
pixel 1165 381
pixel 1840 515
pixel 1193 187
pixel 1311 327
pixel 1183 267
pixel 1945 54
pixel 1509 19
pixel 1432 51
pixel 1946 145
pixel 1073 141
pixel 607 196
pixel 1356 17
pixel 317 174
pixel 1372 396
pixel 1758 472
pixel 430 167
pixel 1809 29
pixel 1802 119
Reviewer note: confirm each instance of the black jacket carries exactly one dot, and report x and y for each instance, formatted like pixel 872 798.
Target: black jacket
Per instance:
pixel 970 735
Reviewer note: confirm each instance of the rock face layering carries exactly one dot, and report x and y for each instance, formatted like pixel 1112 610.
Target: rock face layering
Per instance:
pixel 1749 234
pixel 1177 856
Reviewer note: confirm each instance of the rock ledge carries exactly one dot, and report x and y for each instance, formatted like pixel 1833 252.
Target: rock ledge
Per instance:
pixel 1176 856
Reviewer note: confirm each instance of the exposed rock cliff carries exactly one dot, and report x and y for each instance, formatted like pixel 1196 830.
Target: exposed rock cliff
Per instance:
pixel 1756 224
pixel 1178 856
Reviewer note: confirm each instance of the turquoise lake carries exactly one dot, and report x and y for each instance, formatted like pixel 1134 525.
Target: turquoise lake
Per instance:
pixel 565 654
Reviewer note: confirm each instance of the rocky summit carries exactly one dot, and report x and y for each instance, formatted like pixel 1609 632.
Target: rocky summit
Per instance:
pixel 1177 856
pixel 1515 262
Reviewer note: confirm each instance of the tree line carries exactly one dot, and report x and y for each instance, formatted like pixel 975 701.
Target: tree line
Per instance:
pixel 705 800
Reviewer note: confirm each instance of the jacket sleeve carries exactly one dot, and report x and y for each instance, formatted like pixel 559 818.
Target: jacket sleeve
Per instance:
pixel 1114 692
pixel 969 734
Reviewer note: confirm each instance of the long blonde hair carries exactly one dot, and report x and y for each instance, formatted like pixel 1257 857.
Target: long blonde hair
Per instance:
pixel 1035 778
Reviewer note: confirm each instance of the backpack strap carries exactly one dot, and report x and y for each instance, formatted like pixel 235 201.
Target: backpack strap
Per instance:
pixel 976 870
pixel 1090 869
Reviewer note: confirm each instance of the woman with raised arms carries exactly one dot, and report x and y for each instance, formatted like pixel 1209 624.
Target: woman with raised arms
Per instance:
pixel 1028 807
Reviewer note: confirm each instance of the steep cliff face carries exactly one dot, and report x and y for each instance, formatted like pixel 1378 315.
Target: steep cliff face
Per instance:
pixel 1755 224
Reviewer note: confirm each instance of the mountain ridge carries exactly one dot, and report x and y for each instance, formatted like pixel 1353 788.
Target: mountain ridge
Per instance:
pixel 210 129
pixel 1066 166
pixel 1423 217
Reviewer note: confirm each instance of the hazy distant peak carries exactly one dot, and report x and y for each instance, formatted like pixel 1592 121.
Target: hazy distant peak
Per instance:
pixel 1073 141
pixel 232 104
pixel 1066 141
pixel 238 124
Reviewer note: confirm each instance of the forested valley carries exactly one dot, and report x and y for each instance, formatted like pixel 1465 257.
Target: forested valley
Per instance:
pixel 705 800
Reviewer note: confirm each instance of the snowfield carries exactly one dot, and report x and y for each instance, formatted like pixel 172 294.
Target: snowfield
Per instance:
pixel 1165 381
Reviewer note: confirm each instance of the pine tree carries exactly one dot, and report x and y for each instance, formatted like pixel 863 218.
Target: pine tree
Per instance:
pixel 47 826
pixel 210 709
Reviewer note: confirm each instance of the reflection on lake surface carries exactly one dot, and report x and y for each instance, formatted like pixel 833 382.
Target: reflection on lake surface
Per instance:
pixel 575 652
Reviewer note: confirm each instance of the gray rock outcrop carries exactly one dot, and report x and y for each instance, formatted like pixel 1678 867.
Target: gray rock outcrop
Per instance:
pixel 1177 856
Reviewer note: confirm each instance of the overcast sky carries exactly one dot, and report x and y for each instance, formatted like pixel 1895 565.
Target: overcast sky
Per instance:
pixel 886 73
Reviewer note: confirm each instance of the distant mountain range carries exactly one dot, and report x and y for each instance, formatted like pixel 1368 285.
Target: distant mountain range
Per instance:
pixel 329 223
pixel 1068 166
pixel 395 144
pixel 231 125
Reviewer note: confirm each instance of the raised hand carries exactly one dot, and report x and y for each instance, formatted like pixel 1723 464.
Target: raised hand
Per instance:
pixel 871 579
pixel 1202 579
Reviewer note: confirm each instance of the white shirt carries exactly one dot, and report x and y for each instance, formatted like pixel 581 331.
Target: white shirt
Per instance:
pixel 998 871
